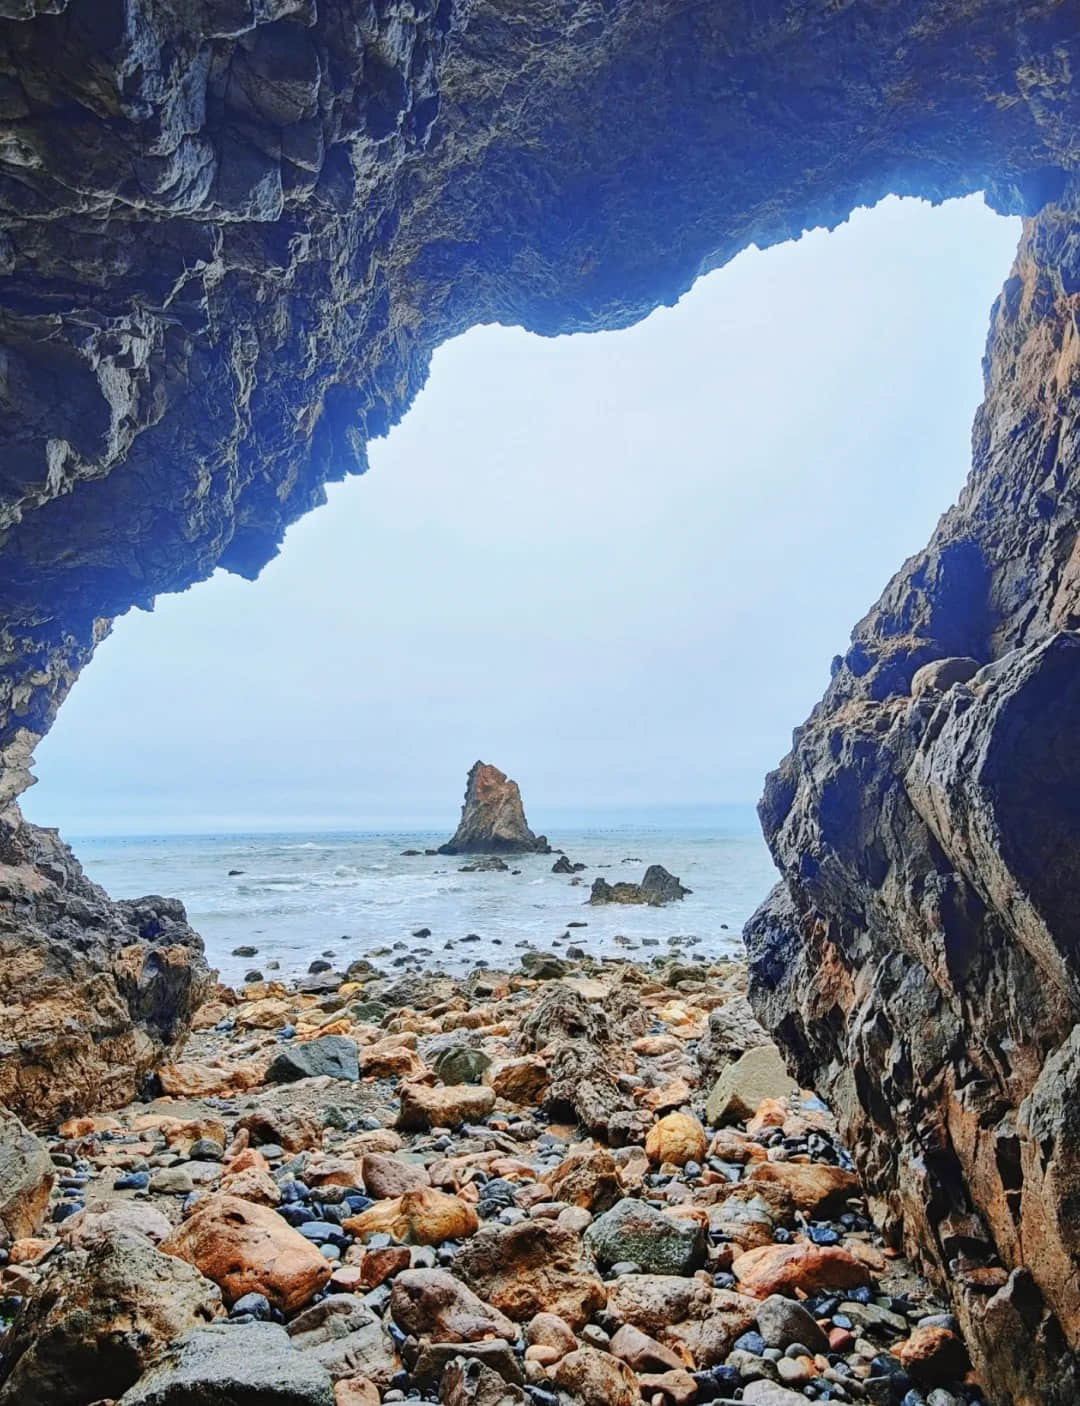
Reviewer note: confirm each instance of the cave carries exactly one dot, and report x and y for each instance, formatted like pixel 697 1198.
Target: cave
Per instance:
pixel 232 236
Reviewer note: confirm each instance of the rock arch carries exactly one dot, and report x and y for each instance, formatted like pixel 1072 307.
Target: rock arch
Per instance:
pixel 231 235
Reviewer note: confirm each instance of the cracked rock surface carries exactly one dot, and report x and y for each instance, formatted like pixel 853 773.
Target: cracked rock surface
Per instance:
pixel 231 235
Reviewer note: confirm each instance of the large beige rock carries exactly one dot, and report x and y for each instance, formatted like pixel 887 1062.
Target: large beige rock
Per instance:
pixel 425 1215
pixel 444 1106
pixel 245 1248
pixel 26 1177
pixel 677 1138
pixel 98 1318
pixel 758 1074
pixel 586 1177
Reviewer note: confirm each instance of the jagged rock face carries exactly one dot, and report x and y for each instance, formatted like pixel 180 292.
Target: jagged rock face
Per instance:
pixel 493 818
pixel 920 961
pixel 231 236
pixel 94 994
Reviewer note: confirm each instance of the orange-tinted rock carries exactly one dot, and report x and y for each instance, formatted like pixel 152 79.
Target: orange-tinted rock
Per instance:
pixel 784 1269
pixel 677 1386
pixel 246 1248
pixel 423 1106
pixel 550 1331
pixel 521 1081
pixel 432 1303
pixel 425 1215
pixel 288 1128
pixel 26 1177
pixel 677 1138
pixel 642 1352
pixel 529 1268
pixel 934 1356
pixel 379 1265
pixel 586 1177
pixel 356 1391
pixel 187 1079
pixel 815 1189
pixel 596 1379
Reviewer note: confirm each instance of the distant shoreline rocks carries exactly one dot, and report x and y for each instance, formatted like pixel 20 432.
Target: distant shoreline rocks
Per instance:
pixel 656 888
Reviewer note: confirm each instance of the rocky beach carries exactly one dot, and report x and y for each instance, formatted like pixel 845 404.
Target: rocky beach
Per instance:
pixel 581 1182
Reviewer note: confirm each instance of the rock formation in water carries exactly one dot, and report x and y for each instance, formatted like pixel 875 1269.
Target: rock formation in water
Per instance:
pixel 493 818
pixel 656 888
pixel 230 238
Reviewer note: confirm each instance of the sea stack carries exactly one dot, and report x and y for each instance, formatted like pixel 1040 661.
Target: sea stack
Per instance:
pixel 493 818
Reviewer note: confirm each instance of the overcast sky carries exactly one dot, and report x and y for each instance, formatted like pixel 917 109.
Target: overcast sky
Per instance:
pixel 617 566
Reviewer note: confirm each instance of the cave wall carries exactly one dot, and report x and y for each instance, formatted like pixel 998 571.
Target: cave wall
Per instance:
pixel 233 231
pixel 919 961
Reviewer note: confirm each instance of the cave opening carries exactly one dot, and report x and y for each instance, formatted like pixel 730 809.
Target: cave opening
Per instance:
pixel 688 513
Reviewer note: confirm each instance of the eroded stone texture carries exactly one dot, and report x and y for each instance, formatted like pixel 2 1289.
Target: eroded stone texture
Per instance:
pixel 493 817
pixel 231 236
pixel 920 962
pixel 94 994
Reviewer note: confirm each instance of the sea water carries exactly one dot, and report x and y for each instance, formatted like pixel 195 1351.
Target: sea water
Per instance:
pixel 297 897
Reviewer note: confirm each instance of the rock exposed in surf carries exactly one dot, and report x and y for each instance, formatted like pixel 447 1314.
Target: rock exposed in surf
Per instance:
pixel 493 818
pixel 657 887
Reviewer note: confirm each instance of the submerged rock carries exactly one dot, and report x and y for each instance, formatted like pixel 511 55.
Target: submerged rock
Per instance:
pixel 493 818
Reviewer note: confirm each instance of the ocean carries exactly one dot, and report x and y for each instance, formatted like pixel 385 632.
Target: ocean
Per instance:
pixel 344 895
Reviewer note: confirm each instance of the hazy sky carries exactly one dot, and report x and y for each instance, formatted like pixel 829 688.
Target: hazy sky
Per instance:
pixel 617 566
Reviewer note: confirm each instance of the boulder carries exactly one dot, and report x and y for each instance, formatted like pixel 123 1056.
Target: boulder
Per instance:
pixel 758 1074
pixel 346 1337
pixel 245 1248
pixel 730 1031
pixel 522 1081
pixel 385 1176
pixel 933 1355
pixel 424 1215
pixel 461 1064
pixel 226 1363
pixel 102 1221
pixel 493 818
pixel 782 1321
pixel 596 1379
pixel 333 1055
pixel 287 1128
pixel 468 1381
pixel 432 1303
pixel 97 1319
pixel 636 1231
pixel 780 1269
pixel 562 1015
pixel 424 1106
pixel 529 1268
pixel 815 1189
pixel 586 1177
pixel 677 1138
pixel 656 888
pixel 26 1178
pixel 94 994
